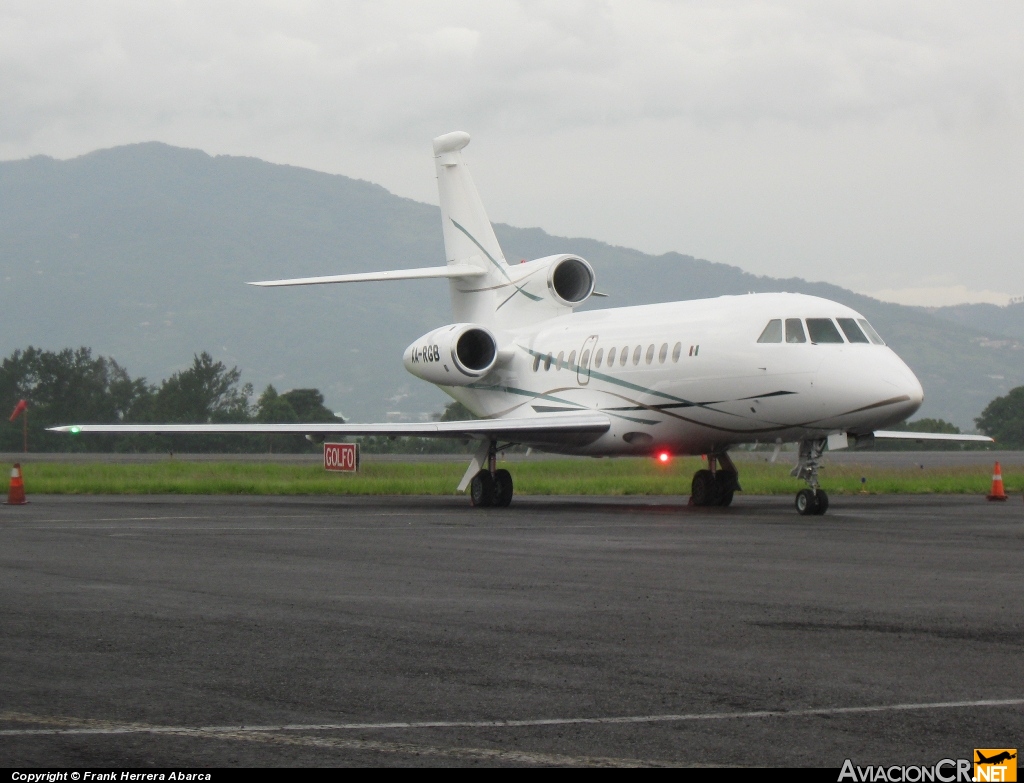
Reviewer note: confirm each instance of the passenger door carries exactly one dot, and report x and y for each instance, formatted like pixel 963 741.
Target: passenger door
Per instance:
pixel 586 357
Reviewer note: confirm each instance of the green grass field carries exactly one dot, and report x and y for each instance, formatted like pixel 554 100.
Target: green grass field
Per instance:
pixel 549 477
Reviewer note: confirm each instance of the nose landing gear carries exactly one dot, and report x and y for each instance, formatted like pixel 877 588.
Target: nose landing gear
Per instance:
pixel 490 486
pixel 811 501
pixel 716 486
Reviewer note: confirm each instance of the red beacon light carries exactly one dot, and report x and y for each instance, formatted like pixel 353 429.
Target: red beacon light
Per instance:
pixel 663 457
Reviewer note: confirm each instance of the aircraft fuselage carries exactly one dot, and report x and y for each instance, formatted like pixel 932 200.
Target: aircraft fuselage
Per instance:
pixel 692 377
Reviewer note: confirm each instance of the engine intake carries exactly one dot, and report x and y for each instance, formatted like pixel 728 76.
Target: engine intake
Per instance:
pixel 475 351
pixel 454 355
pixel 571 280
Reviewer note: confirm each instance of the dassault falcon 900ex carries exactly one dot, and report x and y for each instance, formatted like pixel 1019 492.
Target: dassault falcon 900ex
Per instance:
pixel 694 377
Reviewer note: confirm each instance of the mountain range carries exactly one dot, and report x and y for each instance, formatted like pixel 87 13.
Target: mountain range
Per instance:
pixel 141 252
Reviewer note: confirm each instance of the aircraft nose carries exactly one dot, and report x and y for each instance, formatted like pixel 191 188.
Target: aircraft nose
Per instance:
pixel 872 384
pixel 915 391
pixel 900 376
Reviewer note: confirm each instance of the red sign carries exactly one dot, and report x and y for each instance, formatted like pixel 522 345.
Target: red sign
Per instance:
pixel 341 456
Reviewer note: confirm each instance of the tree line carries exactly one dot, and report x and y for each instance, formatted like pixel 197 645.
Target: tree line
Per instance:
pixel 74 387
pixel 1003 419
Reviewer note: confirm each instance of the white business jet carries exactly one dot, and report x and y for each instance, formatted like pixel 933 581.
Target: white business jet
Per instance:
pixel 695 377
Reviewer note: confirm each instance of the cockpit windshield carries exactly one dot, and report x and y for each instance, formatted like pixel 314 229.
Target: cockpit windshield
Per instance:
pixel 772 332
pixel 795 331
pixel 871 333
pixel 823 330
pixel 851 330
pixel 820 330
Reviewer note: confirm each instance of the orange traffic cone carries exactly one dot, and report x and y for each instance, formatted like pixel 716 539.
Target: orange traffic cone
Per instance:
pixel 16 494
pixel 998 493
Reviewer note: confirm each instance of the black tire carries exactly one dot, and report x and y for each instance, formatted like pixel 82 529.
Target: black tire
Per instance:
pixel 502 488
pixel 822 503
pixel 806 503
pixel 729 479
pixel 702 490
pixel 726 482
pixel 481 490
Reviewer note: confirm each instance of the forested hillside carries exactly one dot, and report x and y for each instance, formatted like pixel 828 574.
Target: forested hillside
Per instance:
pixel 1005 320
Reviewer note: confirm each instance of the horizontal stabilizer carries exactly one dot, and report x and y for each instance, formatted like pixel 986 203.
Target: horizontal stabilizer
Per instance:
pixel 955 438
pixel 452 270
pixel 551 429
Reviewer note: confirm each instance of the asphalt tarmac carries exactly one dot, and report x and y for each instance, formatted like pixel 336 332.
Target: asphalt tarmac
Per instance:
pixel 200 631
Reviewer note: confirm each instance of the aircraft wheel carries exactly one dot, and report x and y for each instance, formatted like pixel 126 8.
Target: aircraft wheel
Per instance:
pixel 725 487
pixel 481 489
pixel 822 503
pixel 502 487
pixel 703 488
pixel 806 503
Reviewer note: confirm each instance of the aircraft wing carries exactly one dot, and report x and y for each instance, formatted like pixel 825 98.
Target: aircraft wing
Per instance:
pixel 450 271
pixel 905 435
pixel 543 429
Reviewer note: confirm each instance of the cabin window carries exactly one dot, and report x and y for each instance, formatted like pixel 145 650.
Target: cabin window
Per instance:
pixel 572 360
pixel 598 356
pixel 623 356
pixel 795 331
pixel 636 354
pixel 611 356
pixel 823 330
pixel 536 362
pixel 650 353
pixel 663 354
pixel 871 333
pixel 558 362
pixel 585 359
pixel 547 362
pixel 852 331
pixel 772 332
pixel 677 352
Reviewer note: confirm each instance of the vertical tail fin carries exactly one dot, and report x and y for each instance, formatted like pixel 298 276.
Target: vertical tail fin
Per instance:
pixel 468 236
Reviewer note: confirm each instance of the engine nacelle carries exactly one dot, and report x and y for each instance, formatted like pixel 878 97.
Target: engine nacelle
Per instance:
pixel 543 288
pixel 570 280
pixel 455 355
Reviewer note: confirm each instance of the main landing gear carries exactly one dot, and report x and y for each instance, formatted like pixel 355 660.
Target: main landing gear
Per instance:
pixel 715 486
pixel 490 486
pixel 813 500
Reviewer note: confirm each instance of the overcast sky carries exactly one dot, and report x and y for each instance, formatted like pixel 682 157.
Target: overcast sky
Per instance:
pixel 877 145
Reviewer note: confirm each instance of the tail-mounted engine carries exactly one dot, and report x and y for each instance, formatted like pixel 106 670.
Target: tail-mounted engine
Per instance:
pixel 543 288
pixel 570 280
pixel 455 355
